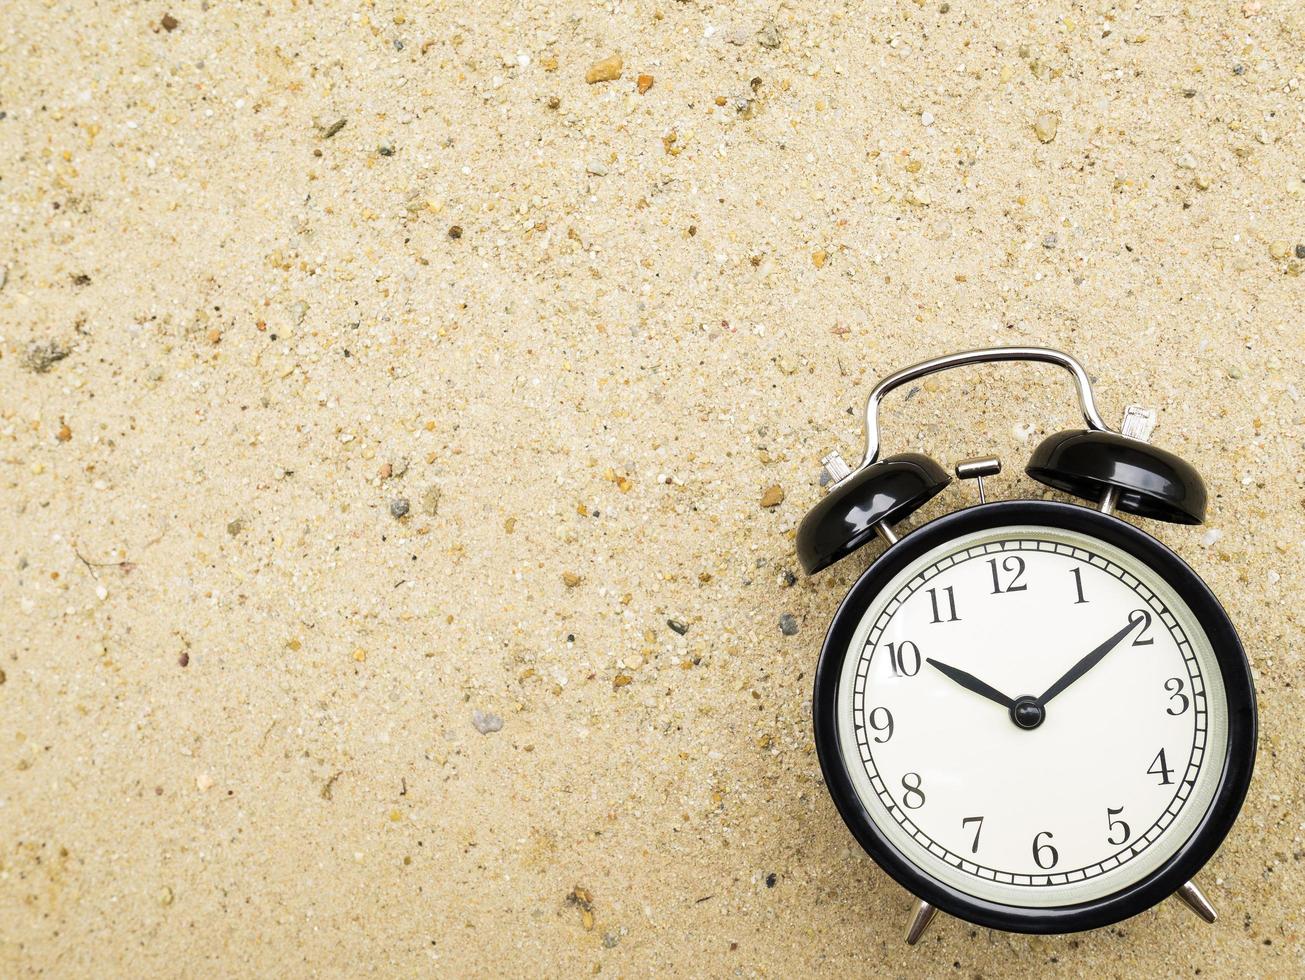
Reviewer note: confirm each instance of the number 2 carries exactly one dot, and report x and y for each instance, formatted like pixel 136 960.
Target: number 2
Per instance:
pixel 1143 617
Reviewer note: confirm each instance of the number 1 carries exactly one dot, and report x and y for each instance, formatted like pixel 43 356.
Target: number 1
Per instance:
pixel 1078 582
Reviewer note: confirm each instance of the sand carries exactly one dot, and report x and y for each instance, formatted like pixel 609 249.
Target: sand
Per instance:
pixel 288 265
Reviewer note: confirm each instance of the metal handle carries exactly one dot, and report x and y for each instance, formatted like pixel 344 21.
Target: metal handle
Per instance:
pixel 949 361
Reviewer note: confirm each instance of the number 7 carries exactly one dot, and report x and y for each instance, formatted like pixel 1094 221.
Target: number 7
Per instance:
pixel 974 848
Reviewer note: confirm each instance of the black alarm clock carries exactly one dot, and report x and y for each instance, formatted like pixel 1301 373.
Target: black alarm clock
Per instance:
pixel 1031 714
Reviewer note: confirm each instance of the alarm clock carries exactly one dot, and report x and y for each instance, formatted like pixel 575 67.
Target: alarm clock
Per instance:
pixel 1031 714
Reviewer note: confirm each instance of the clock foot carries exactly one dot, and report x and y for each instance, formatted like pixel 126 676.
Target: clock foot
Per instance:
pixel 1191 896
pixel 920 919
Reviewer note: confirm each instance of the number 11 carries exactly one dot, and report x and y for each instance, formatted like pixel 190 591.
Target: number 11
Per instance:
pixel 951 605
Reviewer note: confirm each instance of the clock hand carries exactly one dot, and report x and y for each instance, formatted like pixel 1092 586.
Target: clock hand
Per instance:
pixel 971 683
pixel 1087 663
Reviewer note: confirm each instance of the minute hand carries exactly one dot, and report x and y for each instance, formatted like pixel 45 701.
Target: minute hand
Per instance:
pixel 1087 663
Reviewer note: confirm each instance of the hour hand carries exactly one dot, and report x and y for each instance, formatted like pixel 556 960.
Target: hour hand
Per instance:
pixel 971 683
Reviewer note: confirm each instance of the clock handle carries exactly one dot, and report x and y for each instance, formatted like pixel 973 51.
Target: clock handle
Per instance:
pixel 934 365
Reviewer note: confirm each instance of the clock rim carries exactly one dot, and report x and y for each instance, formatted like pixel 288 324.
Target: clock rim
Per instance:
pixel 1239 761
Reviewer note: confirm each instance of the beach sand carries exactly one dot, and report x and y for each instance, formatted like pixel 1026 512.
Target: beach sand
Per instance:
pixel 370 380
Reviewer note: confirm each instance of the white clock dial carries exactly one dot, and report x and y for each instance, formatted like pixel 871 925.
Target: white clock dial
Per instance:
pixel 1032 716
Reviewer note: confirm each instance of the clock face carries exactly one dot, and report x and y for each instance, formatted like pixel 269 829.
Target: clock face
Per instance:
pixel 1032 716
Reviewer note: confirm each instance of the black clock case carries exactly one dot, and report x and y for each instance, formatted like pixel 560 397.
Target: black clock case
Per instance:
pixel 1242 725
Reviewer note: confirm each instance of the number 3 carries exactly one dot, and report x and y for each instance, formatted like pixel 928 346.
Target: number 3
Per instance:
pixel 1175 688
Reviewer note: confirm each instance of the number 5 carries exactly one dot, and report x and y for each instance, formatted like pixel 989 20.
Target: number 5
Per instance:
pixel 1112 823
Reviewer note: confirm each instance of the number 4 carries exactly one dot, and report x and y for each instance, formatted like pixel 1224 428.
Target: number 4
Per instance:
pixel 1160 768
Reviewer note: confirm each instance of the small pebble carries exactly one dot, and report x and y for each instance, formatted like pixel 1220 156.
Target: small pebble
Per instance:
pixel 788 625
pixel 1279 250
pixel 204 782
pixel 334 128
pixel 644 83
pixel 169 23
pixel 39 358
pixel 386 149
pixel 399 506
pixel 1210 537
pixel 926 118
pixel 773 497
pixel 1045 126
pixel 430 501
pixel 678 626
pixel 486 722
pixel 455 232
pixel 606 70
pixel 768 36
pixel 1300 251
pixel 571 579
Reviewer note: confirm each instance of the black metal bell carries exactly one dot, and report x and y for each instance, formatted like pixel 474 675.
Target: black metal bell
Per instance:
pixel 1149 482
pixel 845 518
